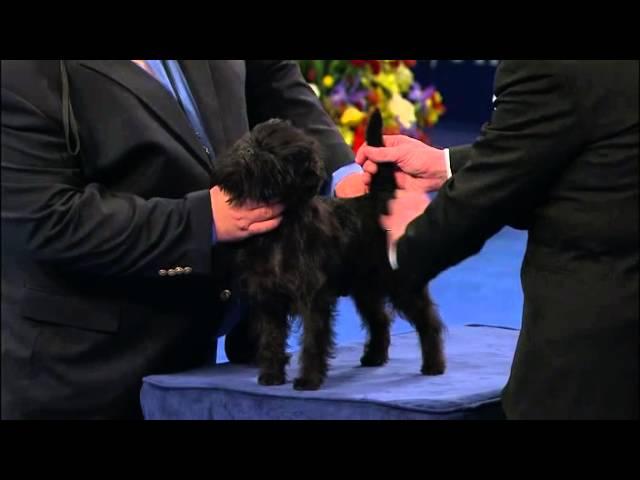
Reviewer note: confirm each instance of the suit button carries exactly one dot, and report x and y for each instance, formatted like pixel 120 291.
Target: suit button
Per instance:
pixel 188 270
pixel 162 273
pixel 179 270
pixel 225 295
pixel 171 272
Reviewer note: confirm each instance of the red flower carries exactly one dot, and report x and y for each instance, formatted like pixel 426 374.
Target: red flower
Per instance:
pixel 373 97
pixel 311 75
pixel 410 63
pixel 395 63
pixel 358 137
pixel 358 63
pixel 376 66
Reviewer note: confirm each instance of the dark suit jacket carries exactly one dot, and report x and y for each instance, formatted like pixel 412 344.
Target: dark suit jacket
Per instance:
pixel 560 158
pixel 85 311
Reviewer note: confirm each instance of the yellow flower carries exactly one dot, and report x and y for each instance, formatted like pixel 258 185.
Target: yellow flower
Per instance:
pixel 328 81
pixel 433 117
pixel 403 110
pixel 388 80
pixel 347 134
pixel 404 77
pixel 351 117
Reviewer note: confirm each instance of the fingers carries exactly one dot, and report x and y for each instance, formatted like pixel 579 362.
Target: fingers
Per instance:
pixel 382 154
pixel 361 154
pixel 379 155
pixel 257 206
pixel 370 167
pixel 395 140
pixel 401 179
pixel 261 213
pixel 263 227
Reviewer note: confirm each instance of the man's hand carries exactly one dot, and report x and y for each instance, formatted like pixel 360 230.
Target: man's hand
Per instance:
pixel 353 185
pixel 403 209
pixel 421 168
pixel 236 222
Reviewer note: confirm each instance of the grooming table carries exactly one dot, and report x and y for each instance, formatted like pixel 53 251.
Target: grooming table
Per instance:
pixel 478 364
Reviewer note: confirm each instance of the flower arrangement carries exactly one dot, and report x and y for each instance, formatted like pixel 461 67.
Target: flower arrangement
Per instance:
pixel 350 89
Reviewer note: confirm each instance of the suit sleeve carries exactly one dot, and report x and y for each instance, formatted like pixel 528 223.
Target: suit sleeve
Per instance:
pixel 533 134
pixel 458 157
pixel 51 213
pixel 276 88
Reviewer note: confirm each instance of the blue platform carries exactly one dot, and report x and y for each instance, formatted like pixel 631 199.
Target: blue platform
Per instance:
pixel 478 363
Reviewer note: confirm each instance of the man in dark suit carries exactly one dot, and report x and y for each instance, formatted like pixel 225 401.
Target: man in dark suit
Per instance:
pixel 113 265
pixel 559 157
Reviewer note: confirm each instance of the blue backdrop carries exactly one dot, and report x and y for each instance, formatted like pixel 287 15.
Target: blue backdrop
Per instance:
pixel 466 86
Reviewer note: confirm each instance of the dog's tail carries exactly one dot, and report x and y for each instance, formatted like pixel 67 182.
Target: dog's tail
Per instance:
pixel 383 184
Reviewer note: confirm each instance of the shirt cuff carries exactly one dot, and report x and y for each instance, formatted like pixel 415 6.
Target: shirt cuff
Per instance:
pixel 343 172
pixel 393 256
pixel 447 162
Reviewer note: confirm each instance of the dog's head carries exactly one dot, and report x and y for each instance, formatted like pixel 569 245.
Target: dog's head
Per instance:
pixel 275 162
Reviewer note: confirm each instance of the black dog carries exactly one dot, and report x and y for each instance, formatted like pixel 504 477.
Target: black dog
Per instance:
pixel 323 249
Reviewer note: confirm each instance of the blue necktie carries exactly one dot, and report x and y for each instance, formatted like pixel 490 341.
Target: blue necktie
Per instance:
pixel 169 73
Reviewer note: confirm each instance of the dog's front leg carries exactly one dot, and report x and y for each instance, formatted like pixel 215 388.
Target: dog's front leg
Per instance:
pixel 272 355
pixel 317 344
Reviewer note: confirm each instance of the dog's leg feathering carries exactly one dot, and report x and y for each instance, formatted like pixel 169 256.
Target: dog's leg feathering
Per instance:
pixel 273 327
pixel 420 311
pixel 317 343
pixel 371 307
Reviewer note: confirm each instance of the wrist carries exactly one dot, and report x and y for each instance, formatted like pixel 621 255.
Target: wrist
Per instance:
pixel 341 174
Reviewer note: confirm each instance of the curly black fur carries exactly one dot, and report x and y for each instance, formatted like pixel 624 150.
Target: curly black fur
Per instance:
pixel 325 248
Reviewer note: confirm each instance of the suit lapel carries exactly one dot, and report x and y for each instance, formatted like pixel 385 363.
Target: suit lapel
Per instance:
pixel 202 86
pixel 155 97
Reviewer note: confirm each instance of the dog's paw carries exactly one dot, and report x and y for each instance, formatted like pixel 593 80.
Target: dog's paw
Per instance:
pixel 374 359
pixel 435 367
pixel 303 383
pixel 272 378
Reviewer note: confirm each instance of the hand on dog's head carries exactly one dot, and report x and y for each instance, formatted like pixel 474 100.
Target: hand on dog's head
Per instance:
pixel 274 163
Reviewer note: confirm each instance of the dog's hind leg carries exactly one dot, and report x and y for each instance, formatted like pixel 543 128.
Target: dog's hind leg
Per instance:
pixel 416 306
pixel 371 306
pixel 273 329
pixel 317 342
